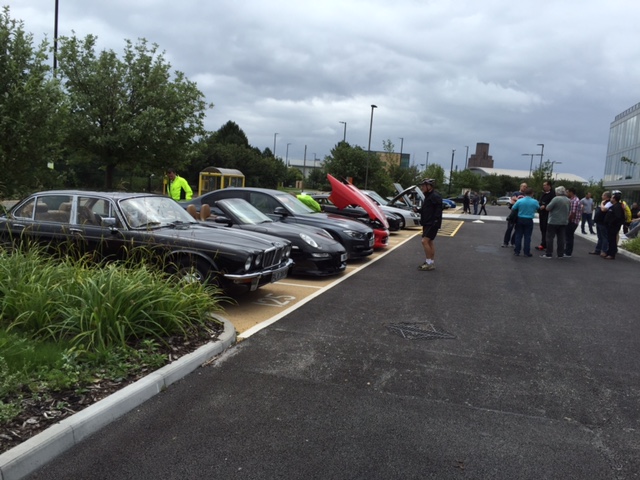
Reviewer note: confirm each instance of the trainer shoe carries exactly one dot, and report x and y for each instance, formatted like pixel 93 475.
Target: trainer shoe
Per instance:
pixel 566 256
pixel 426 267
pixel 544 255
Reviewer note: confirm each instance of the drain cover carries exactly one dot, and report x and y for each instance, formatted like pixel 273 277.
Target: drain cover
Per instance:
pixel 419 331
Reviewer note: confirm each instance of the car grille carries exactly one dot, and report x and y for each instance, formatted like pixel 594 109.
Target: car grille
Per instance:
pixel 369 235
pixel 273 257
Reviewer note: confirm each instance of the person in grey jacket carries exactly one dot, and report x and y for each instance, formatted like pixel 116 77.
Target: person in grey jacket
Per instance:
pixel 558 209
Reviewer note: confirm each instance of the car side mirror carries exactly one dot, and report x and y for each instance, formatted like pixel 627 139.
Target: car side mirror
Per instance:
pixel 109 222
pixel 281 211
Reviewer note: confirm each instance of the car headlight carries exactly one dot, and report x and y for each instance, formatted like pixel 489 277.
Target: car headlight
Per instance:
pixel 354 234
pixel 247 263
pixel 258 260
pixel 321 255
pixel 309 240
pixel 413 214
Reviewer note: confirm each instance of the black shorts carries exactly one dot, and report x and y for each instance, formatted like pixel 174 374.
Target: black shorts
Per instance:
pixel 430 231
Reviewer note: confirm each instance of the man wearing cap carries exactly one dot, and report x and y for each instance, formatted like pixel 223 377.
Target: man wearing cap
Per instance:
pixel 431 220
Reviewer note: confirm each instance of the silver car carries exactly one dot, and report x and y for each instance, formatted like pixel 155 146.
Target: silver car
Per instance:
pixel 410 218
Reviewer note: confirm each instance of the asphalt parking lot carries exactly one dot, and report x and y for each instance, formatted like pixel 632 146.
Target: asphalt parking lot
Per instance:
pixel 527 368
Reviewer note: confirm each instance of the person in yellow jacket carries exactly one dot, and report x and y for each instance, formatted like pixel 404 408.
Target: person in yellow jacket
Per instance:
pixel 178 188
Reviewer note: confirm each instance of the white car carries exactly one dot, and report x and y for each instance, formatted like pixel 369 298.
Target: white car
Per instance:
pixel 410 218
pixel 503 201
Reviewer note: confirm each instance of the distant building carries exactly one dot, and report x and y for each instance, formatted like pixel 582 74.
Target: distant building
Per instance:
pixel 481 163
pixel 622 167
pixel 481 158
pixel 394 158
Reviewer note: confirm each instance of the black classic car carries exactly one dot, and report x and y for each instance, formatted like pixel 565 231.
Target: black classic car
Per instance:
pixel 356 237
pixel 111 225
pixel 314 251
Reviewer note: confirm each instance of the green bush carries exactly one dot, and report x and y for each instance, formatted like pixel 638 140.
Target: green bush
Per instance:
pixel 632 245
pixel 65 323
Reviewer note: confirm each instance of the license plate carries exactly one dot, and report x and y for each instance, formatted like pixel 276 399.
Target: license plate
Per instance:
pixel 279 274
pixel 343 257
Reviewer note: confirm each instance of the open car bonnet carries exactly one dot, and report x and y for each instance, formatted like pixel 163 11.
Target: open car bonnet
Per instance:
pixel 404 194
pixel 345 194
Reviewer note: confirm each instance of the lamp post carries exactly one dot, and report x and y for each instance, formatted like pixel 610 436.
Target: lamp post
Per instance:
pixel 401 145
pixel 541 153
pixel 453 152
pixel 551 172
pixel 344 137
pixel 55 41
pixel 366 174
pixel 530 163
pixel 274 144
pixel 427 164
pixel 286 159
pixel 466 158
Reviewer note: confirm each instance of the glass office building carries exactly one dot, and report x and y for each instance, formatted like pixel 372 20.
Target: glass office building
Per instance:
pixel 622 169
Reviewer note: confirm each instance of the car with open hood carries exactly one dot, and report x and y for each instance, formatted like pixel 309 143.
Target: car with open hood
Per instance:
pixel 395 221
pixel 356 237
pixel 344 194
pixel 314 251
pixel 409 217
pixel 412 197
pixel 109 226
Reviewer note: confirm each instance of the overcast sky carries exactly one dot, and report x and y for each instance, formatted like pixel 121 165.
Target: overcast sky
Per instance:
pixel 444 74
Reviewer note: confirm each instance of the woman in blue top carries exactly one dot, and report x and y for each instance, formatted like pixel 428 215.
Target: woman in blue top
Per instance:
pixel 526 207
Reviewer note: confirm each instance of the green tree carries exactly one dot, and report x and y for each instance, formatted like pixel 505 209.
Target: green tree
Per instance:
pixel 317 180
pixel 436 172
pixel 129 112
pixel 363 167
pixel 466 180
pixel 30 111
pixel 229 147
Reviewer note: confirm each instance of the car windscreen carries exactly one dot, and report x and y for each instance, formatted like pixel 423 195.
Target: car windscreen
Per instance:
pixel 376 196
pixel 294 205
pixel 243 211
pixel 153 211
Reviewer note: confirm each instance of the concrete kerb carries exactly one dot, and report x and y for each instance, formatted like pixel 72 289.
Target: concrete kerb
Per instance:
pixel 40 449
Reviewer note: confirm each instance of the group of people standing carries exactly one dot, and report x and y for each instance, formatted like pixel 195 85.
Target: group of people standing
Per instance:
pixel 478 200
pixel 560 212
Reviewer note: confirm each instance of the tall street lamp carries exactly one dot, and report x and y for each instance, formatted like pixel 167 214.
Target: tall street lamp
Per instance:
pixel 55 41
pixel 274 144
pixel 366 174
pixel 541 153
pixel 344 137
pixel 530 163
pixel 453 152
pixel 466 158
pixel 401 145
pixel 552 164
pixel 427 164
pixel 286 158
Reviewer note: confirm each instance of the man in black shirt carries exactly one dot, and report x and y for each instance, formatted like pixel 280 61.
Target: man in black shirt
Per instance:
pixel 431 221
pixel 547 195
